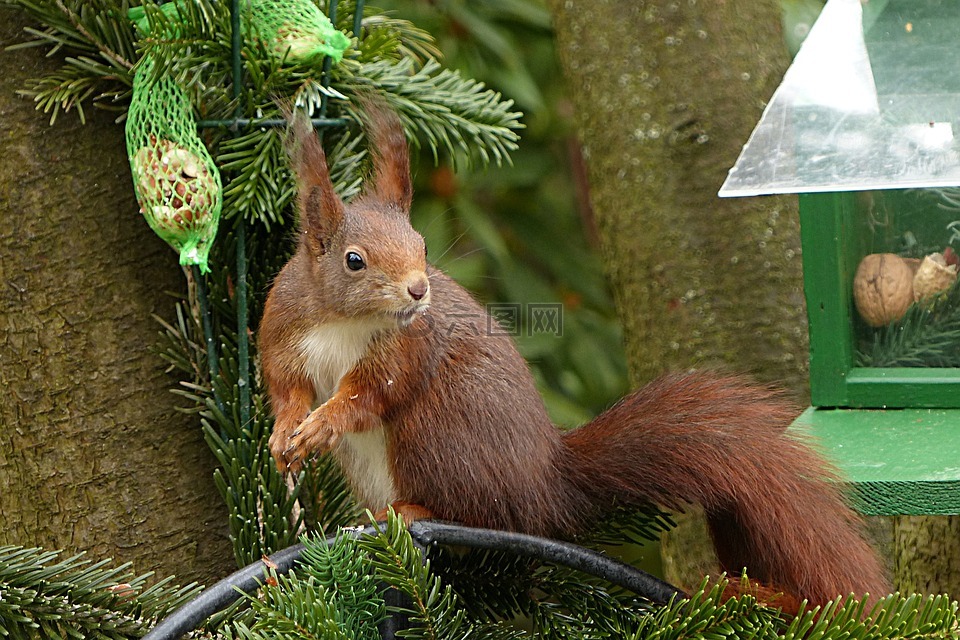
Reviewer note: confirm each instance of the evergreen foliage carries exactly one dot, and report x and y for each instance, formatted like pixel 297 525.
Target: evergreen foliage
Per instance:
pixel 337 592
pixel 928 335
pixel 45 597
pixel 455 116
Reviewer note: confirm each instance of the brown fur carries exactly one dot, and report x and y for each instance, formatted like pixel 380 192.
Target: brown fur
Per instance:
pixel 468 438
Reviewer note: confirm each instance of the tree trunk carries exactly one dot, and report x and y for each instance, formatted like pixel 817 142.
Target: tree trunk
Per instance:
pixel 927 554
pixel 93 456
pixel 666 93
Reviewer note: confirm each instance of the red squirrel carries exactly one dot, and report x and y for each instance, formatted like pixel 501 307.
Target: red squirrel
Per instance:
pixel 373 354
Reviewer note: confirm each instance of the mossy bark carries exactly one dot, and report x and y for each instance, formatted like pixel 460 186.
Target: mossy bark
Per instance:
pixel 93 455
pixel 666 92
pixel 927 554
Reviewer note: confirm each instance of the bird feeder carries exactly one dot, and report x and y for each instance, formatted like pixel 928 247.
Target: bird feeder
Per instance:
pixel 863 128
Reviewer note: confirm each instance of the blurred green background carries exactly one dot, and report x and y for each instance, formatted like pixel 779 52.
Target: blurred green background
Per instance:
pixel 523 234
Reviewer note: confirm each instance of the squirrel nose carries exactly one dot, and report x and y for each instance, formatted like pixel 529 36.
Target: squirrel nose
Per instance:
pixel 418 289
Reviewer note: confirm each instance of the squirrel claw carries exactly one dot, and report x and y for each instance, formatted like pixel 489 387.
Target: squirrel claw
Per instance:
pixel 315 434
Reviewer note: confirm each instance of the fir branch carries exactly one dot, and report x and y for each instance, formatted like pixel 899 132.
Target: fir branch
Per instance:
pixel 290 607
pixel 390 37
pixel 254 491
pixel 914 616
pixel 88 15
pixel 630 526
pixel 327 496
pixel 927 336
pixel 193 45
pixel 578 605
pixel 42 596
pixel 453 114
pixel 181 346
pixel 100 37
pixel 261 187
pixel 706 614
pixel 493 585
pixel 77 81
pixel 59 29
pixel 62 90
pixel 258 502
pixel 344 570
pixel 435 610
pixel 331 594
pixel 559 601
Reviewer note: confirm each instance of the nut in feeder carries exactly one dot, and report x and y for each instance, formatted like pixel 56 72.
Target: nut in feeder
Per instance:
pixel 883 288
pixel 934 276
pixel 864 128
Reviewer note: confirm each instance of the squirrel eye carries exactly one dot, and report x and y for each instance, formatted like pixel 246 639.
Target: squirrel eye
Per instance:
pixel 355 261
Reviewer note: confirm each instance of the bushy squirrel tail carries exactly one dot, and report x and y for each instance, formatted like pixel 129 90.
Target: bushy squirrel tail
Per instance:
pixel 721 442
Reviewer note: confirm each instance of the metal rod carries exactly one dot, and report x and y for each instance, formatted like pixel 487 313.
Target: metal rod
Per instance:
pixel 327 60
pixel 358 18
pixel 243 316
pixel 242 123
pixel 236 42
pixel 243 323
pixel 206 320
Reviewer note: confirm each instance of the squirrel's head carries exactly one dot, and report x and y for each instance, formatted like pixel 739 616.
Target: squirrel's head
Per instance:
pixel 368 261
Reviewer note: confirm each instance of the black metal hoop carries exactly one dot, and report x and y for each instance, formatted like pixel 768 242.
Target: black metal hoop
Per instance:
pixel 425 533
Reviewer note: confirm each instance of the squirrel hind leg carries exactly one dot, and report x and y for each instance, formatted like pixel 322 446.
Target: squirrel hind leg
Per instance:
pixel 766 595
pixel 409 511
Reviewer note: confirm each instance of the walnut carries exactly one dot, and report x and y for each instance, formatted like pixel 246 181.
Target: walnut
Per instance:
pixel 933 277
pixel 882 288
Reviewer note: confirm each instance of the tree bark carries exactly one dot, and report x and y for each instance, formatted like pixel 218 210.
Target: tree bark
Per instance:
pixel 927 554
pixel 666 92
pixel 93 455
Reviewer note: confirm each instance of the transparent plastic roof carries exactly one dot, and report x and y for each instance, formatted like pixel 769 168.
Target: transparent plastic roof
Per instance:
pixel 871 101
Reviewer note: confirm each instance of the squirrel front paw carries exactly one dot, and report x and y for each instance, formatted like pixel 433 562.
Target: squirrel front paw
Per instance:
pixel 316 434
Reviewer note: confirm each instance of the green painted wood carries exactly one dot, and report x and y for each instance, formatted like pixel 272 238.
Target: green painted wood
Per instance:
pixel 897 462
pixel 903 387
pixel 834 235
pixel 822 236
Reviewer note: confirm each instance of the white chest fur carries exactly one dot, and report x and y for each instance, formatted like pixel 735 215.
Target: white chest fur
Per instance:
pixel 329 351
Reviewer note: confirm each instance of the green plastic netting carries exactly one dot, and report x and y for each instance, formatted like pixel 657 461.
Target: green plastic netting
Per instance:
pixel 297 29
pixel 175 179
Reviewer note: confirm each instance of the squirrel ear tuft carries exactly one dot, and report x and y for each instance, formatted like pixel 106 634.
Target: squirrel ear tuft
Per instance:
pixel 321 209
pixel 391 160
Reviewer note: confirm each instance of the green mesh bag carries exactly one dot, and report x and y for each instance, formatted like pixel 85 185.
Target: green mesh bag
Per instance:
pixel 297 29
pixel 175 179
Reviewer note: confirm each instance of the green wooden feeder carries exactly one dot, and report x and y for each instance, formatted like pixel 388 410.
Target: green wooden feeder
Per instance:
pixel 863 129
